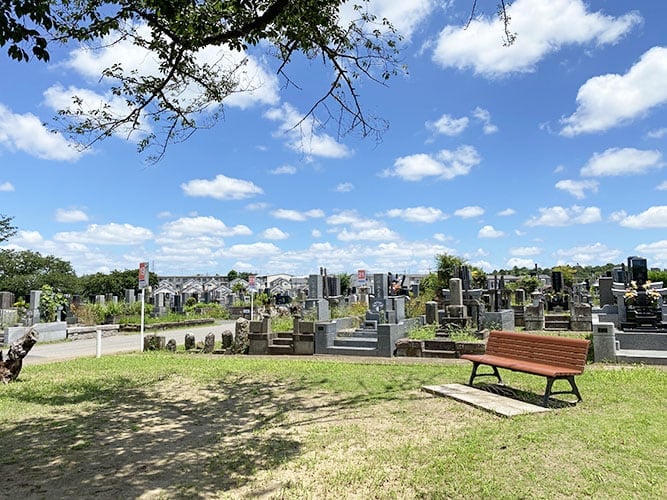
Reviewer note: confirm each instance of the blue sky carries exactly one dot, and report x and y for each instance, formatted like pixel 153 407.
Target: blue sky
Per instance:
pixel 551 151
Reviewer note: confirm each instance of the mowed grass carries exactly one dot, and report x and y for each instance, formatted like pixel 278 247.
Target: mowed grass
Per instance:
pixel 157 425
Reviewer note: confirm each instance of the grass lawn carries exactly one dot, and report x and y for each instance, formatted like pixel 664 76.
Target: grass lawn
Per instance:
pixel 158 425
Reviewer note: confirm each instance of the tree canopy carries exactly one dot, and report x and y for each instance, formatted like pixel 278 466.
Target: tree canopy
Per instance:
pixel 6 228
pixel 187 87
pixel 115 282
pixel 25 270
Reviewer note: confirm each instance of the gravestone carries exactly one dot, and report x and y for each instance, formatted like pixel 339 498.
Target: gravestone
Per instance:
pixel 6 300
pixel 604 287
pixel 189 341
pixel 638 270
pixel 33 311
pixel 315 287
pixel 520 296
pixel 431 312
pixel 130 297
pixel 227 339
pixel 209 342
pixel 380 286
pixel 171 345
pixel 533 316
pixel 456 309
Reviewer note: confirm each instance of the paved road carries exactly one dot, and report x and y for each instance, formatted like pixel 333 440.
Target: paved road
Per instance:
pixel 56 351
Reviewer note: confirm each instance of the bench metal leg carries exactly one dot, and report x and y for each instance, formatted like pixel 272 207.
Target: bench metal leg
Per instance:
pixel 474 373
pixel 550 382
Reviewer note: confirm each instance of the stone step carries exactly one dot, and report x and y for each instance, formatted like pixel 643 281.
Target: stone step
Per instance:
pixel 557 317
pixel 282 341
pixel 557 325
pixel 641 356
pixel 280 349
pixel 440 345
pixel 356 342
pixel 352 351
pixel 284 335
pixel 433 353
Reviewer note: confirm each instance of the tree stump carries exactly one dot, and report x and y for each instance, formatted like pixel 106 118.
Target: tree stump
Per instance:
pixel 11 367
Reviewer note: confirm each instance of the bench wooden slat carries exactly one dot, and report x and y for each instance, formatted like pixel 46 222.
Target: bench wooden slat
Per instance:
pixel 549 356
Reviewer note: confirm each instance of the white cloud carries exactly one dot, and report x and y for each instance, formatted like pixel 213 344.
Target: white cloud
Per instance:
pixel 6 187
pixel 284 170
pixel 561 216
pixel 657 133
pixel 525 251
pixel 469 212
pixel 417 214
pixel 73 215
pixel 59 98
pixel 442 237
pixel 27 134
pixel 295 215
pixel 577 188
pixel 519 262
pixel 202 225
pixel 252 250
pixel 445 164
pixel 300 134
pixel 588 254
pixel 651 218
pixel 274 233
pixel 489 231
pixel 316 233
pixel 507 212
pixel 622 161
pixel 344 187
pixel 662 186
pixel 405 16
pixel 221 188
pixel 107 234
pixel 609 100
pixel 657 249
pixel 255 84
pixel 485 117
pixel 543 27
pixel 447 125
pixel 372 234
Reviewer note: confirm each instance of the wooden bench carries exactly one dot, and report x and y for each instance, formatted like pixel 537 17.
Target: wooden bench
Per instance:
pixel 552 357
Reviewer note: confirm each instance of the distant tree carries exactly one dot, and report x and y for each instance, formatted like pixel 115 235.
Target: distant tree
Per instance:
pixel 25 270
pixel 527 283
pixel 448 266
pixel 115 282
pixel 6 228
pixel 658 276
pixel 345 282
pixel 232 275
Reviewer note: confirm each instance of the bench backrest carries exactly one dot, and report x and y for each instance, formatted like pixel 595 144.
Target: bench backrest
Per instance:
pixel 551 350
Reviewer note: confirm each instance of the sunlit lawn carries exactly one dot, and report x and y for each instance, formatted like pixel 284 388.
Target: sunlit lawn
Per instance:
pixel 161 426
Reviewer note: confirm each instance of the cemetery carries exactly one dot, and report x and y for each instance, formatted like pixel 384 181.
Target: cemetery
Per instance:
pixel 626 325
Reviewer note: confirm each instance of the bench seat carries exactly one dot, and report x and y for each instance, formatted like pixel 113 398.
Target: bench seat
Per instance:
pixel 553 357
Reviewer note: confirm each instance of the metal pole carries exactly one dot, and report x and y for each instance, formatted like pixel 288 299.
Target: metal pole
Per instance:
pixel 141 336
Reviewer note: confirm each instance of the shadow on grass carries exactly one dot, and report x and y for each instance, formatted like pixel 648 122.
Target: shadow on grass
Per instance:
pixel 114 438
pixel 131 441
pixel 524 396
